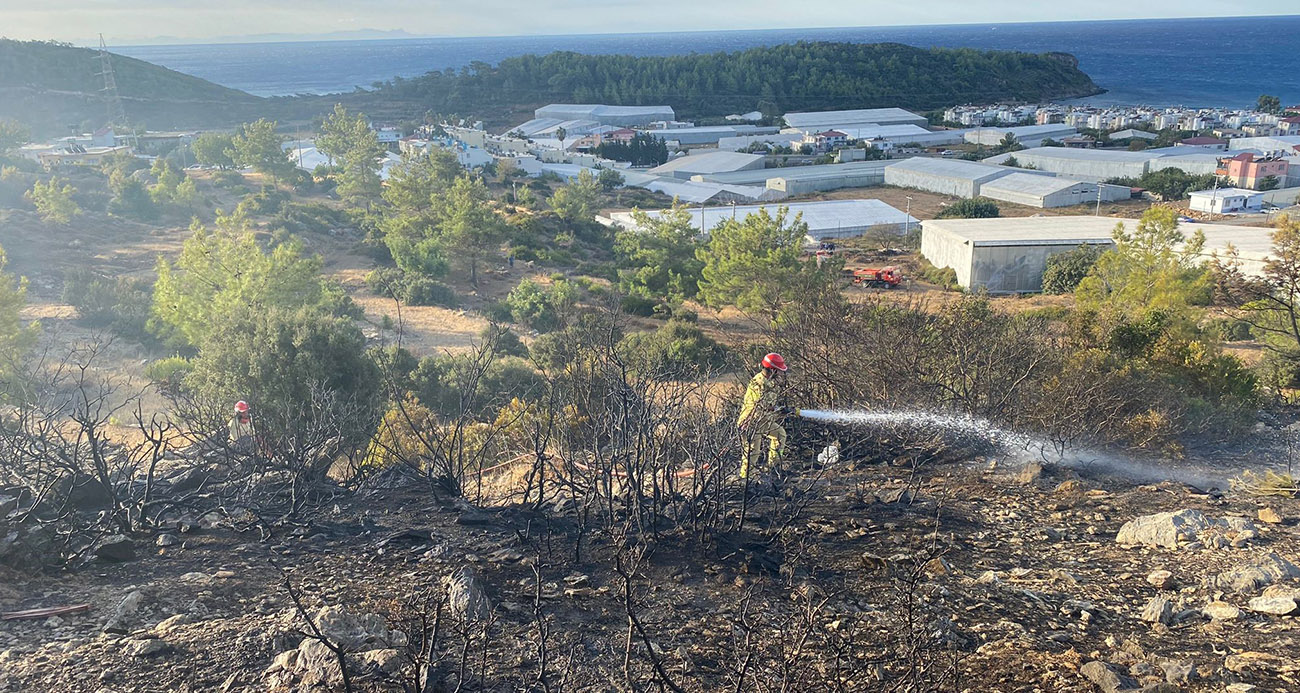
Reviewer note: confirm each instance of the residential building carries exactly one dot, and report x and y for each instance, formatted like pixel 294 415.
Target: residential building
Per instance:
pixel 1213 143
pixel 827 140
pixel 1227 201
pixel 77 155
pixel 1246 170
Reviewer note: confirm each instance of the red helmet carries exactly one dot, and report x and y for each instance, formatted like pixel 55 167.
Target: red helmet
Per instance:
pixel 241 406
pixel 774 361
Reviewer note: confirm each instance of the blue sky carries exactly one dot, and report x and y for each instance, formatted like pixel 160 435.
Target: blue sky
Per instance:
pixel 123 20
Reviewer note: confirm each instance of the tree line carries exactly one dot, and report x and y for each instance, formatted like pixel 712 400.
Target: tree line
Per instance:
pixel 773 79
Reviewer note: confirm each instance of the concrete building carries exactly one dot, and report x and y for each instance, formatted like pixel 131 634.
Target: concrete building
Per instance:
pixel 1048 192
pixel 1207 142
pixel 946 176
pixel 825 220
pixel 1008 255
pixel 1227 201
pixel 77 155
pixel 1246 170
pixel 826 120
pixel 621 116
pixel 1197 163
pixel 712 162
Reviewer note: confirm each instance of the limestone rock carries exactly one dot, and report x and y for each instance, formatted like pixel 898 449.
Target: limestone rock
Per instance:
pixel 1243 662
pixel 1270 516
pixel 1105 677
pixel 1242 688
pixel 356 632
pixel 1250 577
pixel 1164 529
pixel 465 595
pixel 145 648
pixel 1221 611
pixel 1158 610
pixel 166 540
pixel 1277 600
pixel 126 610
pixel 115 549
pixel 1160 579
pixel 168 625
pixel 387 661
pixel 1178 671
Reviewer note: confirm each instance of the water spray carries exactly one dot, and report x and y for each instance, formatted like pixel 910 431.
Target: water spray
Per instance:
pixel 1024 448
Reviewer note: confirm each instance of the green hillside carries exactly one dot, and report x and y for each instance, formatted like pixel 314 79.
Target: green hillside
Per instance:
pixel 55 87
pixel 790 77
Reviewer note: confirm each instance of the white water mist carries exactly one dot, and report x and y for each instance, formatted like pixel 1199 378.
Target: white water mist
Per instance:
pixel 1024 448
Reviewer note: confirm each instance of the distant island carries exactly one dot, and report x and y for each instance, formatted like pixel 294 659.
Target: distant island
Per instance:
pixel 53 86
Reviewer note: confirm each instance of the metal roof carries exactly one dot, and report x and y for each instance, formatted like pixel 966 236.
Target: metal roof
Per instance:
pixel 823 119
pixel 819 216
pixel 762 175
pixel 1031 184
pixel 1254 243
pixel 713 162
pixel 1226 192
pixel 950 168
pixel 1078 154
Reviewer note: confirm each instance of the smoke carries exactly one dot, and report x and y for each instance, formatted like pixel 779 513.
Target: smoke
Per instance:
pixel 1024 448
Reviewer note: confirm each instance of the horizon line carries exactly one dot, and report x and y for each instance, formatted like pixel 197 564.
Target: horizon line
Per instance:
pixel 243 40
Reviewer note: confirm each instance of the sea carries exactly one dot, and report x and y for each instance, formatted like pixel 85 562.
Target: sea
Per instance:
pixel 1219 62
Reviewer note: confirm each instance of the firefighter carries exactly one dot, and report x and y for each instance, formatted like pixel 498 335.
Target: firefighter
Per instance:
pixel 242 435
pixel 760 415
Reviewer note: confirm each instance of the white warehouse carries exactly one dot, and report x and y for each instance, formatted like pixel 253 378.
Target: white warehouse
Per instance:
pixel 1227 201
pixel 827 120
pixel 946 176
pixel 1008 255
pixel 825 220
pixel 622 116
pixel 1048 192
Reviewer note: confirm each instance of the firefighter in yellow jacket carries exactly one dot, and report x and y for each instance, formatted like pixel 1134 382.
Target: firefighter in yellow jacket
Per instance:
pixel 759 412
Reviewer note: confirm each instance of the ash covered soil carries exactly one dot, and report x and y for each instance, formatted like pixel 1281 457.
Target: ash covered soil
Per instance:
pixel 962 577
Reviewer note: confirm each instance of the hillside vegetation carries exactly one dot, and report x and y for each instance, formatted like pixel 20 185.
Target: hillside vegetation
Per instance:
pixel 791 77
pixel 52 87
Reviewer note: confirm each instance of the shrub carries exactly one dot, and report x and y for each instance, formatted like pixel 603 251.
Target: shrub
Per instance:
pixel 945 277
pixel 1065 270
pixel 169 373
pixel 121 305
pixel 537 307
pixel 507 342
pixel 411 288
pixel 677 349
pixel 974 208
pixel 638 305
pixel 227 179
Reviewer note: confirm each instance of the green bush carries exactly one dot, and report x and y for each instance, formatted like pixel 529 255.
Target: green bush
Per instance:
pixel 411 288
pixel 638 305
pixel 974 208
pixel 677 349
pixel 265 202
pixel 1230 329
pixel 227 179
pixel 169 373
pixel 945 277
pixel 121 305
pixel 537 307
pixel 1065 270
pixel 507 342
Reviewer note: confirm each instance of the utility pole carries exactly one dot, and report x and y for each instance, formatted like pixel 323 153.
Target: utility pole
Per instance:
pixel 112 99
pixel 1214 198
pixel 907 220
pixel 1098 212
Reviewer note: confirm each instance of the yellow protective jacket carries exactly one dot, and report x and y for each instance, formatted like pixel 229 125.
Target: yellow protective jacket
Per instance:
pixel 761 398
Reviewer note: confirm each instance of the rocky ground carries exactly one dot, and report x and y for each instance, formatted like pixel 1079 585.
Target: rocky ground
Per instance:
pixel 993 579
